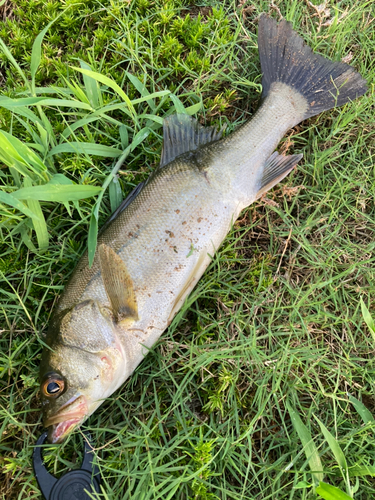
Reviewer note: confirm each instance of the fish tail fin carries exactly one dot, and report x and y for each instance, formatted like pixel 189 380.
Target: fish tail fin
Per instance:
pixel 286 58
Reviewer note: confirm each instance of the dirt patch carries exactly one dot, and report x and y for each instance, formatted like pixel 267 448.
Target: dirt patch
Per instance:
pixel 194 11
pixel 6 10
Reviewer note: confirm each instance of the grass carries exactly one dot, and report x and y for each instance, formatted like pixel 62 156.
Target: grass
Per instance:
pixel 263 384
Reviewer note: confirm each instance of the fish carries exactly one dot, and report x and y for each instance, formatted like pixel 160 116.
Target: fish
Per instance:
pixel 158 243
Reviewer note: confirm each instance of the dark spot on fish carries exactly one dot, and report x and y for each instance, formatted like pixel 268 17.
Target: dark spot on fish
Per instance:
pixel 177 211
pixel 175 249
pixel 184 222
pixel 199 219
pixel 130 235
pixel 170 233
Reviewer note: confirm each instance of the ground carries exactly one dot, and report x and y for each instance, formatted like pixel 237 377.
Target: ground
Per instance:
pixel 266 375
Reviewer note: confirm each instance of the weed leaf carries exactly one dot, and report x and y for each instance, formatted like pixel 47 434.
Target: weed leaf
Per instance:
pixel 368 319
pixel 363 470
pixel 141 87
pixel 57 192
pixel 8 54
pixel 8 199
pixel 115 193
pixel 85 148
pixel 329 492
pixel 337 452
pixel 364 413
pixel 91 86
pixel 39 222
pixel 179 107
pixel 36 52
pixel 110 83
pixel 311 451
pixel 14 152
pixel 93 235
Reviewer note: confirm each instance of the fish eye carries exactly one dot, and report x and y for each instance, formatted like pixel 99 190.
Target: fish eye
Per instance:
pixel 53 387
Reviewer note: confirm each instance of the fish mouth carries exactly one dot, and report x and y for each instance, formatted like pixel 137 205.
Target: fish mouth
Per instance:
pixel 69 416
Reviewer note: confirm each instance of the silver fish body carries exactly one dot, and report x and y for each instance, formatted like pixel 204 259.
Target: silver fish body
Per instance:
pixel 153 253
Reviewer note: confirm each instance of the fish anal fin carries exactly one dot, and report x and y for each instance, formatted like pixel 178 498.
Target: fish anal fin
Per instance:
pixel 118 285
pixel 276 168
pixel 183 133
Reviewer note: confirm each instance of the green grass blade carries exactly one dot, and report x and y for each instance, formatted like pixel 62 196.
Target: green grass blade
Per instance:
pixel 364 413
pixel 112 107
pixel 337 452
pixel 85 148
pixel 111 84
pixel 20 110
pixel 57 192
pixel 15 153
pixel 26 238
pixel 36 52
pixel 92 88
pixel 92 237
pixel 368 319
pixel 8 54
pixel 141 87
pixel 25 153
pixel 139 138
pixel 311 451
pixel 115 193
pixel 79 123
pixel 329 492
pixel 179 107
pixel 151 97
pixel 8 199
pixel 65 103
pixel 14 104
pixel 363 470
pixel 124 136
pixel 191 110
pixel 39 224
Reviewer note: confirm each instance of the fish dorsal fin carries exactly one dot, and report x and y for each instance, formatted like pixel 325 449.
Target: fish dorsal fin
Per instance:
pixel 275 169
pixel 118 285
pixel 182 133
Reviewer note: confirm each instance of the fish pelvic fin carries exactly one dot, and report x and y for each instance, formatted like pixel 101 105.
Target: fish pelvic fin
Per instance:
pixel 118 285
pixel 286 58
pixel 183 133
pixel 276 168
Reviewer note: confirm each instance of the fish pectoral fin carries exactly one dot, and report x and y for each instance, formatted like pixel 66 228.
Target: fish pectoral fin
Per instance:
pixel 118 285
pixel 276 168
pixel 182 133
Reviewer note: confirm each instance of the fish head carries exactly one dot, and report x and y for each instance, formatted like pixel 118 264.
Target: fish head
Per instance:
pixel 80 368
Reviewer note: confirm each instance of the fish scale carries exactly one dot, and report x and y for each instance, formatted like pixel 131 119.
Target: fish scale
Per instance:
pixel 159 242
